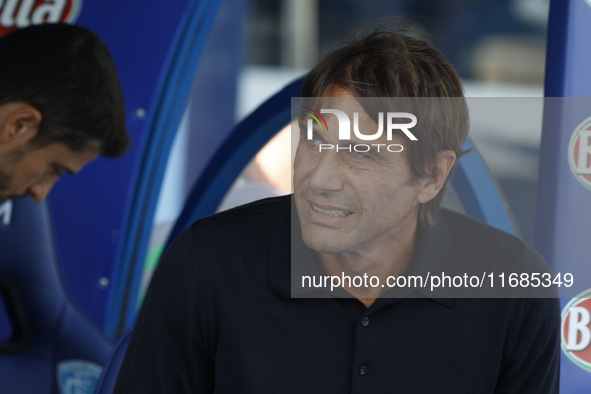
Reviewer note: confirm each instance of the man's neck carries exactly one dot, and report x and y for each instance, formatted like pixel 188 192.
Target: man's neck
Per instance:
pixel 391 259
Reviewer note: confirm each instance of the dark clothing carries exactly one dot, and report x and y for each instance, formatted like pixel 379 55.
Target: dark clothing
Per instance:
pixel 218 317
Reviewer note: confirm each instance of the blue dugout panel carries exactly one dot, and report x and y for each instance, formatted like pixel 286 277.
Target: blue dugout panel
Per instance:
pixel 99 215
pixel 140 35
pixel 563 219
pixel 208 52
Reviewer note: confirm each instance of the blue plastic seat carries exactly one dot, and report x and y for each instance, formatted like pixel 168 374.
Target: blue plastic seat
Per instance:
pixel 46 344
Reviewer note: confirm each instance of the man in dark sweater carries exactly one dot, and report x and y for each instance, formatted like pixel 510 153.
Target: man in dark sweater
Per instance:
pixel 229 311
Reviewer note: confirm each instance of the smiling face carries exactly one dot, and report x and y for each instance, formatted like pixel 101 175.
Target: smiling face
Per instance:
pixel 351 202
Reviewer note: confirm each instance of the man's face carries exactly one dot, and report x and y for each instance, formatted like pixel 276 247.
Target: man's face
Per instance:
pixel 34 171
pixel 352 202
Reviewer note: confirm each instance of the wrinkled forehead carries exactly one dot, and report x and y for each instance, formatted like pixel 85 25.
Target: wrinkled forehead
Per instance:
pixel 337 99
pixel 332 109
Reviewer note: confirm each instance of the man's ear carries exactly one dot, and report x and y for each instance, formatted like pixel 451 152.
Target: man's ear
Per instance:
pixel 429 187
pixel 19 123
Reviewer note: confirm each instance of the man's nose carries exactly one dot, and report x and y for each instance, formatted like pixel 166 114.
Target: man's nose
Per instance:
pixel 41 189
pixel 328 173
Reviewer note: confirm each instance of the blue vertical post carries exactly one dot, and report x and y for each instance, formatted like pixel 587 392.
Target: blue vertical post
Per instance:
pixel 89 211
pixel 563 216
pixel 162 125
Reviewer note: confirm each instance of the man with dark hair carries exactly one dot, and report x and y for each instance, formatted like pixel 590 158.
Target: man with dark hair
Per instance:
pixel 228 311
pixel 367 68
pixel 61 106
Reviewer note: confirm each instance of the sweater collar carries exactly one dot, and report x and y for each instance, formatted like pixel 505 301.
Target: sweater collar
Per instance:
pixel 433 254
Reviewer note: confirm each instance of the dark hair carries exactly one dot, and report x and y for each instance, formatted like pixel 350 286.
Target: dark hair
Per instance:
pixel 393 64
pixel 68 75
